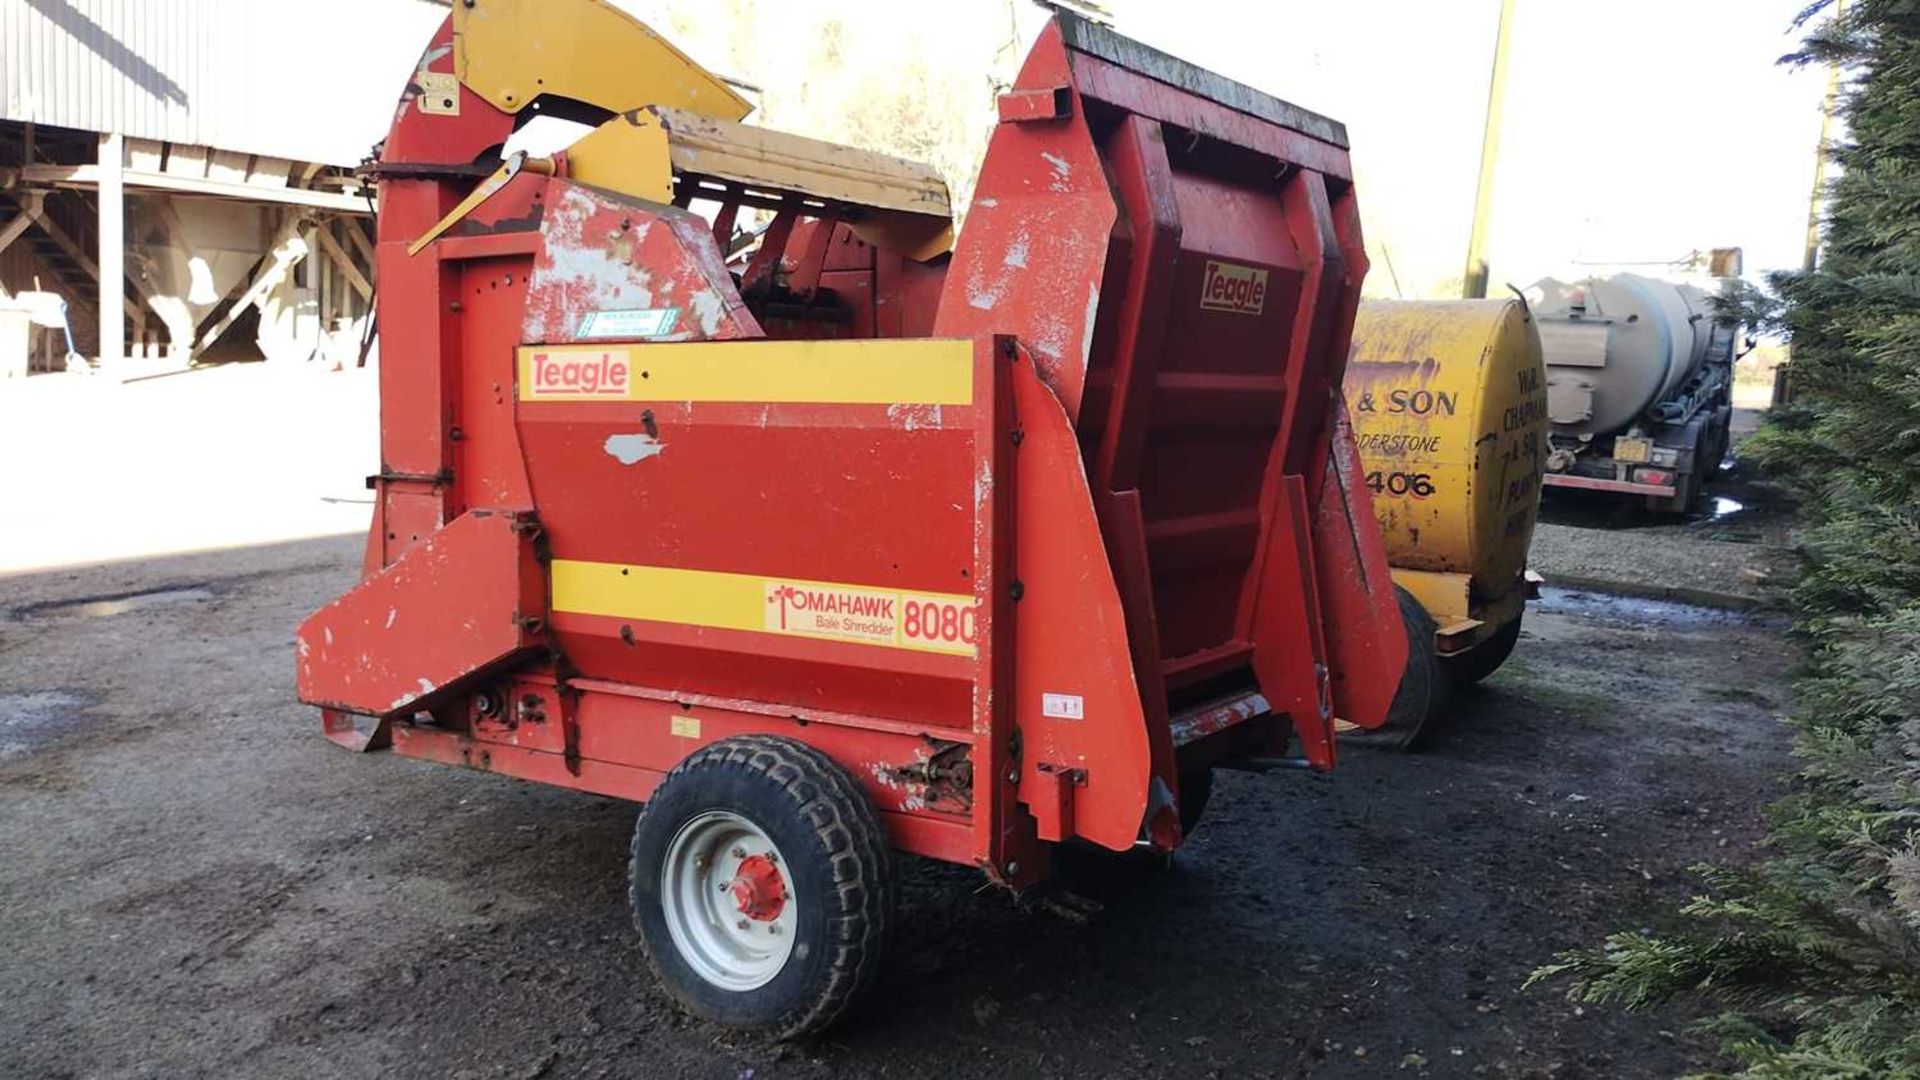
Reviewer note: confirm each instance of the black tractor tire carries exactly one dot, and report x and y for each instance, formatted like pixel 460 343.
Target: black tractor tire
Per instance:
pixel 838 869
pixel 1483 659
pixel 1424 689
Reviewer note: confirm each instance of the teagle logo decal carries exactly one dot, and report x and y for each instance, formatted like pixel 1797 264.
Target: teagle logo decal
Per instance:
pixel 1239 289
pixel 581 373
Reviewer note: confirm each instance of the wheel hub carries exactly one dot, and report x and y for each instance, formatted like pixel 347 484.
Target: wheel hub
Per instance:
pixel 727 904
pixel 759 889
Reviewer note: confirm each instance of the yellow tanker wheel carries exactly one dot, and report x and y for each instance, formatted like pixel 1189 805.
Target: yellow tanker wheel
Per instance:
pixel 1424 686
pixel 1483 659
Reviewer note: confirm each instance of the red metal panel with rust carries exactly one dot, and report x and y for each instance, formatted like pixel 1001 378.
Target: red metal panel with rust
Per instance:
pixel 892 498
pixel 463 600
pixel 878 496
pixel 603 253
pixel 1034 255
pixel 1361 643
pixel 440 138
pixel 488 469
pixel 1290 653
pixel 1220 265
pixel 1071 635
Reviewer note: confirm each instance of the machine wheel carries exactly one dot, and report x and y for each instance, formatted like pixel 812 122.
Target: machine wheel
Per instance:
pixel 1483 659
pixel 1422 696
pixel 762 885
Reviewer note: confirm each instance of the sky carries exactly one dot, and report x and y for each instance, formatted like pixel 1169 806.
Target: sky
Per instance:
pixel 1635 131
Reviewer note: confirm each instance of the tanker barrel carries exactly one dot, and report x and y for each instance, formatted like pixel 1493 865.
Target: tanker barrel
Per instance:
pixel 1616 348
pixel 1450 408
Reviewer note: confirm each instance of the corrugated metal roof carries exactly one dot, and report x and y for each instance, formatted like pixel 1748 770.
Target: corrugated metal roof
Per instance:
pixel 313 80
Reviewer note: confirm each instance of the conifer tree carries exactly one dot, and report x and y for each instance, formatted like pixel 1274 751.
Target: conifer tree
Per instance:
pixel 1814 954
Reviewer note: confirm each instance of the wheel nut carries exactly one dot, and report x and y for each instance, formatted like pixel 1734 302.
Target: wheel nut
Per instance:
pixel 742 924
pixel 774 929
pixel 739 852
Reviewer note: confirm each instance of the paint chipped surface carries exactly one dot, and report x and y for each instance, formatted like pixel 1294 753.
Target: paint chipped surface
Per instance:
pixel 633 449
pixel 913 796
pixel 599 253
pixel 1086 333
pixel 915 417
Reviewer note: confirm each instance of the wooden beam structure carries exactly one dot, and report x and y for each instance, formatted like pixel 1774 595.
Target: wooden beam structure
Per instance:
pixel 78 254
pixel 343 260
pixel 22 221
pixel 288 250
pixel 89 176
pixel 361 242
pixel 112 272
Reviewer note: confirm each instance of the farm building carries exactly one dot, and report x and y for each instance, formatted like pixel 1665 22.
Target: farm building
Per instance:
pixel 177 179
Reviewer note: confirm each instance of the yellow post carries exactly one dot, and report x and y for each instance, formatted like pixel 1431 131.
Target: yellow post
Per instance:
pixel 1474 286
pixel 1812 257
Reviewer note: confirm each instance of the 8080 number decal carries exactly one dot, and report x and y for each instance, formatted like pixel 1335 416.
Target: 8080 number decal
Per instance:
pixel 938 624
pixel 1418 485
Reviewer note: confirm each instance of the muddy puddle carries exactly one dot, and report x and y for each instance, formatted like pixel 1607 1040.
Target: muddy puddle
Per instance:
pixel 119 603
pixel 1637 611
pixel 31 720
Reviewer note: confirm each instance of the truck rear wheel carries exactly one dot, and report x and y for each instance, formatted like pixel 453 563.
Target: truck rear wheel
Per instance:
pixel 1422 696
pixel 1485 658
pixel 762 884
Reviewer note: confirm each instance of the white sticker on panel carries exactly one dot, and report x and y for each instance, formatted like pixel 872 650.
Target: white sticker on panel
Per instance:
pixel 1063 706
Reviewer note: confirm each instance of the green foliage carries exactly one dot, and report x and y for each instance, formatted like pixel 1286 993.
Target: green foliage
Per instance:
pixel 1816 952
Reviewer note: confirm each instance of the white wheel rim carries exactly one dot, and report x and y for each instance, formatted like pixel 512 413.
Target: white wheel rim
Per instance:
pixel 711 862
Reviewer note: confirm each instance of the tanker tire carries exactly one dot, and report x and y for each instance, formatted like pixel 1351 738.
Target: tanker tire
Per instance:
pixel 1422 696
pixel 834 851
pixel 1483 659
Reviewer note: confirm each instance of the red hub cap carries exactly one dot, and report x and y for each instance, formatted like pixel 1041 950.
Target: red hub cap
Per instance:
pixel 759 889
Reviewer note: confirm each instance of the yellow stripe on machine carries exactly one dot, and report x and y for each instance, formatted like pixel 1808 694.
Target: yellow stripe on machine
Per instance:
pixel 926 371
pixel 858 614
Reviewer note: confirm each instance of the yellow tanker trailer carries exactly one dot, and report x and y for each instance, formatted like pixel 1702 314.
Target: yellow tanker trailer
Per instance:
pixel 1449 405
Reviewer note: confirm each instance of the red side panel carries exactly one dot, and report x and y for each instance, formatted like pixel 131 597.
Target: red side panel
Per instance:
pixel 468 597
pixel 1366 641
pixel 1033 258
pixel 1076 702
pixel 612 267
pixel 1182 258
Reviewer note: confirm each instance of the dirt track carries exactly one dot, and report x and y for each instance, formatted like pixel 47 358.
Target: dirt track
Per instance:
pixel 197 884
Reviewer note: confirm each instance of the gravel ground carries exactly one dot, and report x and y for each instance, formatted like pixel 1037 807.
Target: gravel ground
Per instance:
pixel 199 885
pixel 1732 551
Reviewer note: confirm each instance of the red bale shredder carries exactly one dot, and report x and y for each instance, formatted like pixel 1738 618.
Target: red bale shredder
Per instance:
pixel 835 536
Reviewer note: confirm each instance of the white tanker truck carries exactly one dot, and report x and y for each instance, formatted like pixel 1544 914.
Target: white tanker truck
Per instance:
pixel 1639 386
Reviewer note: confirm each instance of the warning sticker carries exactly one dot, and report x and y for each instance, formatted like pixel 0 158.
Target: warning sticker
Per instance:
pixel 630 323
pixel 1063 706
pixel 927 621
